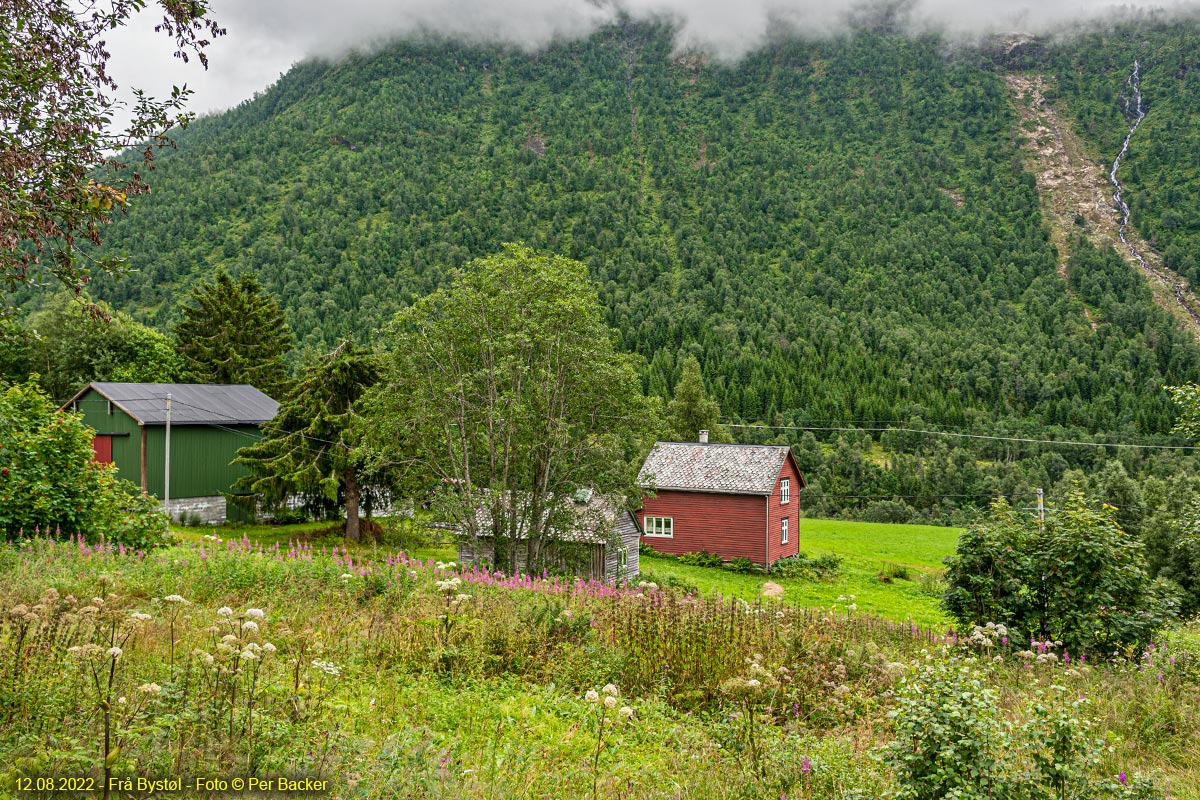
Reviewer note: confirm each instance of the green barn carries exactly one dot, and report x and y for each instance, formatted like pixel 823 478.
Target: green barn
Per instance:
pixel 208 423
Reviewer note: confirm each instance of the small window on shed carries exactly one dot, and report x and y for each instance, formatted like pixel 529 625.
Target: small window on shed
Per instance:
pixel 785 491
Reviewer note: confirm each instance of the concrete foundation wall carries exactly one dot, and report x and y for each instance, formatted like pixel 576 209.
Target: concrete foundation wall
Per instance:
pixel 211 510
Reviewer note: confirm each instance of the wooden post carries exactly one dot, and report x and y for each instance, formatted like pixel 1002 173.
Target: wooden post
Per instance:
pixel 142 427
pixel 167 462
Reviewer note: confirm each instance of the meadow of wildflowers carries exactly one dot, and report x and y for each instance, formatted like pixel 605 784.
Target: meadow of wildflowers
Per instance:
pixel 391 676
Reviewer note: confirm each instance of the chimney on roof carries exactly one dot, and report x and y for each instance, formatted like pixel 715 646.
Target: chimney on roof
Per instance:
pixel 703 437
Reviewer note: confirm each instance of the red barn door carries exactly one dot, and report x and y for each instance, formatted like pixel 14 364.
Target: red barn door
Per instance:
pixel 103 447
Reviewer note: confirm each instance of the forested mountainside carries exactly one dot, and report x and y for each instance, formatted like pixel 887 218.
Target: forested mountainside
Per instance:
pixel 840 229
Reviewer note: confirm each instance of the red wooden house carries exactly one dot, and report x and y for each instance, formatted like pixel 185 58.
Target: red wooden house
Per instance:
pixel 729 499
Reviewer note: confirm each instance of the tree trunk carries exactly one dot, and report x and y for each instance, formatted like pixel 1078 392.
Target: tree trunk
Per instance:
pixel 353 528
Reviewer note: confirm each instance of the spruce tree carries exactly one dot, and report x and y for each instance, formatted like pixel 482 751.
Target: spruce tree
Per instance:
pixel 310 447
pixel 234 332
pixel 692 410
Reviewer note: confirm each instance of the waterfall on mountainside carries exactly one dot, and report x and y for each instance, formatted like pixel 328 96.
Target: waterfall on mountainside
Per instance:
pixel 1134 99
pixel 1136 113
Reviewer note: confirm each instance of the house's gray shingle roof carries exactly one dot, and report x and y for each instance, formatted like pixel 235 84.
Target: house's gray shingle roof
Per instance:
pixel 191 403
pixel 721 468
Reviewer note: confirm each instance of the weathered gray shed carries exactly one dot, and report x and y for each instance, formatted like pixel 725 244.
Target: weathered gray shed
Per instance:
pixel 606 532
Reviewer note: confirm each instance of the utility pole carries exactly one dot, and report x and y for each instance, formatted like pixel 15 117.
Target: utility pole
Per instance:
pixel 167 463
pixel 1041 509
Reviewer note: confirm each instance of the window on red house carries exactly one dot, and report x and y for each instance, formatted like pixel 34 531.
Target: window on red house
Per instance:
pixel 784 532
pixel 102 445
pixel 659 526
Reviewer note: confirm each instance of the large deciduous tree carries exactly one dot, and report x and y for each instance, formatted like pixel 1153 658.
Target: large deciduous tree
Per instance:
pixel 233 331
pixel 57 143
pixel 311 447
pixel 505 387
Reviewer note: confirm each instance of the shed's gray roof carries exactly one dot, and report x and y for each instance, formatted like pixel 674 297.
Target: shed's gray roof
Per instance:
pixel 721 468
pixel 191 403
pixel 594 517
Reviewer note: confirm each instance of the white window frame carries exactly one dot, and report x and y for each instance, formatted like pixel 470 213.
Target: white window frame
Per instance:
pixel 785 491
pixel 659 527
pixel 783 528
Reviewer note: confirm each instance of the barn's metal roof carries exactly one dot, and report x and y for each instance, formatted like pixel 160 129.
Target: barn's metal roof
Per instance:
pixel 191 403
pixel 720 468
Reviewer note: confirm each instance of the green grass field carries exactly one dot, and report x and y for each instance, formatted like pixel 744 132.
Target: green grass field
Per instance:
pixel 867 549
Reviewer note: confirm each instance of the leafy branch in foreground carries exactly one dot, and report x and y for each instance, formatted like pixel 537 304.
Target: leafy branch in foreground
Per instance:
pixel 61 181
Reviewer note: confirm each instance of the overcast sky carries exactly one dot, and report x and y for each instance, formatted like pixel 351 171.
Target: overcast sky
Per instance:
pixel 265 37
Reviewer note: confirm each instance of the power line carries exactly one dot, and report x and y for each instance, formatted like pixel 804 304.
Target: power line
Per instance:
pixel 988 437
pixel 907 496
pixel 214 424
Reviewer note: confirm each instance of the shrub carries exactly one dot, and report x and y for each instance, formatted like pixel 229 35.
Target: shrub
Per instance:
pixel 648 551
pixel 932 583
pixel 801 567
pixel 1081 580
pixel 49 480
pixel 894 572
pixel 951 742
pixel 290 516
pixel 741 565
pixel 701 559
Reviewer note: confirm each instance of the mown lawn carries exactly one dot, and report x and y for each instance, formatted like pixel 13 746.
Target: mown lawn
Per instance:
pixel 873 557
pixel 920 546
